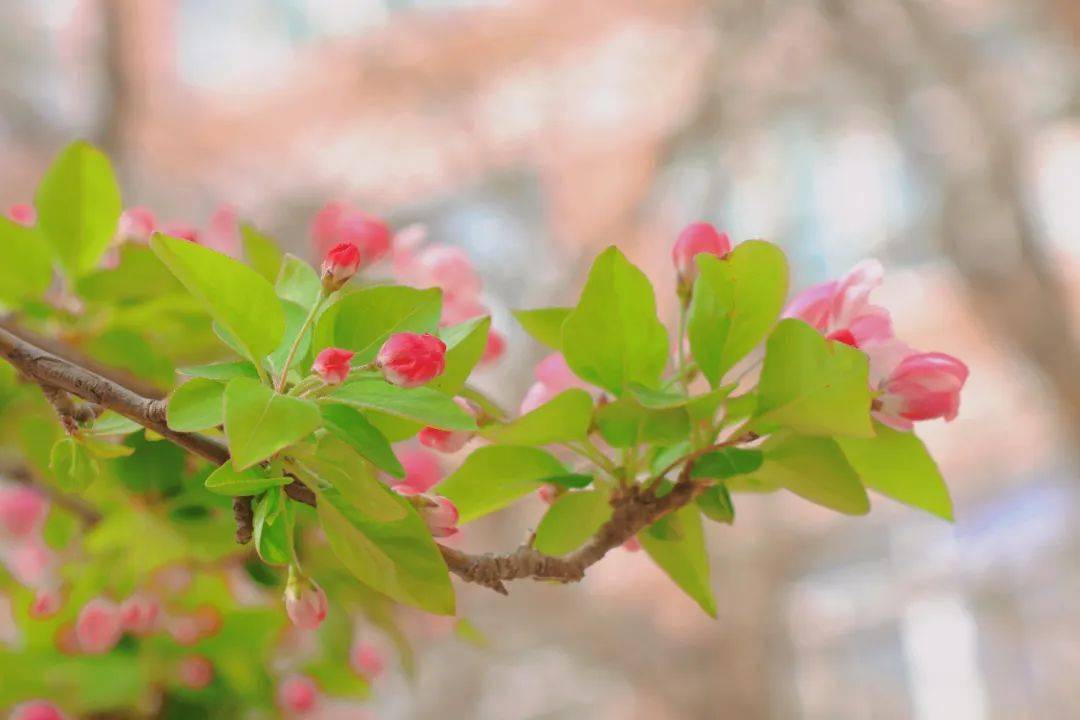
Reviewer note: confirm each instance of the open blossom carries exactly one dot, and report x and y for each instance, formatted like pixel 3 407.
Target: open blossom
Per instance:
pixel 421 469
pixel 923 386
pixel 37 710
pixel 553 376
pixel 366 660
pixel 298 694
pixel 440 514
pixel 195 672
pixel 137 223
pixel 98 627
pixel 841 309
pixel 305 602
pixel 449 441
pixel 339 265
pixel 22 511
pixel 332 365
pixel 22 214
pixel 139 614
pixel 411 359
pixel 696 238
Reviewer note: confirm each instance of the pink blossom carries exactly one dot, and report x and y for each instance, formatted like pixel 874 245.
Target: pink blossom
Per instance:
pixel 182 230
pixel 632 544
pixel 697 238
pixel 332 365
pixel 924 386
pixel 411 359
pixel 305 602
pixel 37 710
pixel 338 223
pixel 298 694
pixel 29 561
pixel 139 614
pixel 22 214
pixel 449 441
pixel 494 349
pixel 98 627
pixel 553 376
pixel 195 672
pixel 46 603
pixel 547 493
pixel 324 226
pixel 366 660
pixel 339 265
pixel 440 514
pixel 421 469
pixel 223 232
pixel 841 309
pixel 22 511
pixel 137 223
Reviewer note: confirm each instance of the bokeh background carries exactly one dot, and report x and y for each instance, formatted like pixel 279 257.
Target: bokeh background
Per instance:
pixel 940 136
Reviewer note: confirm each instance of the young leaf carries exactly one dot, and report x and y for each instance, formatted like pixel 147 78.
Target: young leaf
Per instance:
pixel 813 468
pixel 72 466
pixel 221 370
pixel 298 282
pixel 564 418
pixel 716 504
pixel 102 449
pixel 624 423
pixel 544 324
pixel 273 528
pixel 399 559
pixel 736 301
pixel 898 465
pixel 336 464
pixel 683 556
pixel 25 263
pixel 363 320
pixel 196 405
pixel 465 345
pixel 495 476
pixel 350 425
pixel 261 252
pixel 812 385
pixel 237 297
pixel 226 480
pixel 571 520
pixel 259 422
pixel 78 205
pixel 613 337
pixel 422 404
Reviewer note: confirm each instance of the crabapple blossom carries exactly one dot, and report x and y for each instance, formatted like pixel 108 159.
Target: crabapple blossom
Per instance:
pixel 139 614
pixel 332 365
pixel 553 376
pixel 440 514
pixel 449 441
pixel 411 359
pixel 22 214
pixel 339 265
pixel 305 601
pixel 366 660
pixel 98 627
pixel 22 511
pixel 298 694
pixel 136 223
pixel 923 386
pixel 195 672
pixel 421 468
pixel 697 238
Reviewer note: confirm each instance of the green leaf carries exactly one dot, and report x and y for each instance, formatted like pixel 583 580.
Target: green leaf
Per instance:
pixel 298 282
pixel 226 480
pixel 72 466
pixel 570 480
pixel 544 324
pixel 726 463
pixel 363 320
pixel 613 337
pixel 139 275
pixel 259 422
pixel 350 425
pixel 273 528
pixel 812 385
pixel 736 301
pixel 564 418
pixel 716 503
pixel 493 477
pixel 399 559
pixel 78 205
pixel 337 464
pixel 465 345
pixel 221 370
pixel 102 449
pixel 111 423
pixel 571 520
pixel 156 467
pixel 239 300
pixel 683 556
pixel 196 405
pixel 261 252
pixel 422 404
pixel 813 468
pixel 624 424
pixel 898 465
pixel 25 263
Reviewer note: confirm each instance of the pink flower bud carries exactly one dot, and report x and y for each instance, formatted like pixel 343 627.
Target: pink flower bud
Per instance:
pixel 366 660
pixel 632 544
pixel 298 694
pixel 22 511
pixel 421 469
pixel 139 614
pixel 699 237
pixel 369 234
pixel 29 561
pixel 553 376
pixel 843 336
pixel 333 365
pixel 46 603
pixel 305 602
pixel 410 359
pixel 547 493
pixel 449 441
pixel 182 230
pixel 340 264
pixel 195 672
pixel 22 214
pixel 440 514
pixel 37 710
pixel 137 223
pixel 98 626
pixel 494 349
pixel 924 386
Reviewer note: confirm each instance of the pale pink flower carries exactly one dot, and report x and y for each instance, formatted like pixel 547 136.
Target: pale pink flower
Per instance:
pixel 223 232
pixel 697 238
pixel 440 514
pixel 305 602
pixel 30 562
pixel 139 614
pixel 37 710
pixel 366 660
pixel 98 627
pixel 422 469
pixel 22 511
pixel 137 224
pixel 22 214
pixel 841 309
pixel 46 603
pixel 494 349
pixel 195 672
pixel 553 376
pixel 924 386
pixel 298 694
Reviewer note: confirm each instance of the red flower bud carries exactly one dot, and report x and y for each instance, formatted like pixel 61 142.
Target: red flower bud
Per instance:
pixel 409 359
pixel 699 237
pixel 440 514
pixel 448 441
pixel 924 386
pixel 139 614
pixel 195 672
pixel 37 710
pixel 298 694
pixel 98 627
pixel 369 234
pixel 22 214
pixel 332 365
pixel 547 493
pixel 305 601
pixel 340 264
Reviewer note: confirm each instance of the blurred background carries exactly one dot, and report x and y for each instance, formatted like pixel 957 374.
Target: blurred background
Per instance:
pixel 942 137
